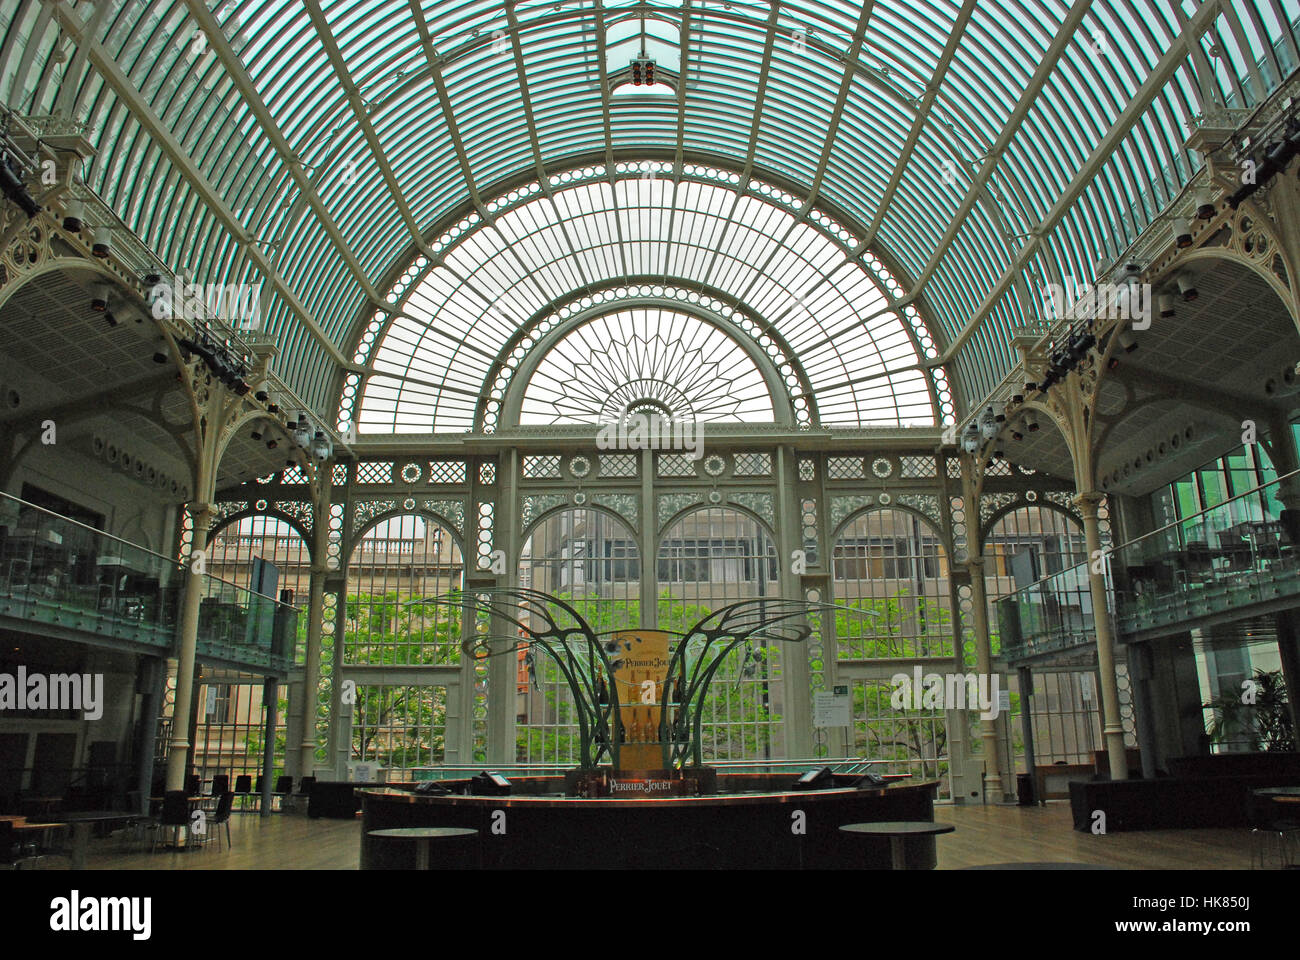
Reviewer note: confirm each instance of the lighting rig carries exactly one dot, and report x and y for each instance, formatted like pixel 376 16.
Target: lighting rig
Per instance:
pixel 1277 155
pixel 230 369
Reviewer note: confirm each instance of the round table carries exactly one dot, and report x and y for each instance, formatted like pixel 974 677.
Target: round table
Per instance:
pixel 423 836
pixel 897 831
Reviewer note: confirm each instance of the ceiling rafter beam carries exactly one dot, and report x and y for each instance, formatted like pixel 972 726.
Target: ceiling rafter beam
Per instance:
pixel 350 89
pixel 183 163
pixel 217 42
pixel 684 49
pixel 1028 99
pixel 828 146
pixel 751 149
pixel 605 94
pixel 1151 88
pixel 534 139
pixel 918 125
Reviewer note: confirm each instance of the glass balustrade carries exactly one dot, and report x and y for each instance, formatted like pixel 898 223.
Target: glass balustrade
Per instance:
pixel 61 573
pixel 1225 560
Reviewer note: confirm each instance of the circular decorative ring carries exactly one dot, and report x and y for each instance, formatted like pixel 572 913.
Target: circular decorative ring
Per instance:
pixel 408 503
pixel 579 498
pixel 714 465
pixel 882 467
pixel 1031 495
pixel 715 497
pixel 411 473
pixel 260 505
pixel 579 467
pixel 885 499
pixel 813 596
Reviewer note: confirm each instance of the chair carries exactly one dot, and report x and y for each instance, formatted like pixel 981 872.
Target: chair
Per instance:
pixel 220 784
pixel 244 787
pixel 283 787
pixel 221 818
pixel 14 853
pixel 193 785
pixel 175 813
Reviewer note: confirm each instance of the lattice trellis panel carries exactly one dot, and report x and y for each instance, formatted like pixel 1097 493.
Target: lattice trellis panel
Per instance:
pixel 675 465
pixel 753 465
pixel 372 472
pixel 618 465
pixel 846 468
pixel 542 468
pixel 447 471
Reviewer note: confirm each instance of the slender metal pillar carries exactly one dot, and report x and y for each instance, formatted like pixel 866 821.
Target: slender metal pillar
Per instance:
pixel 178 746
pixel 152 682
pixel 271 706
pixel 1026 678
pixel 311 666
pixel 984 663
pixel 797 676
pixel 1112 729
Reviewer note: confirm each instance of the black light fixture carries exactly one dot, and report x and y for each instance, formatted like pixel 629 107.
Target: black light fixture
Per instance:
pixel 1166 304
pixel 14 188
pixel 99 299
pixel 1182 231
pixel 257 431
pixel 1031 422
pixel 261 396
pixel 1187 287
pixel 74 216
pixel 103 241
pixel 272 444
pixel 160 357
pixel 1204 204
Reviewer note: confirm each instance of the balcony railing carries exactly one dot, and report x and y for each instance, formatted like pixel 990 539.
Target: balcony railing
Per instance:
pixel 59 572
pixel 1221 562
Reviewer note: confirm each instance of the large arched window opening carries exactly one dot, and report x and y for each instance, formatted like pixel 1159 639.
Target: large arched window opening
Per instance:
pixel 707 559
pixel 397 570
pixel 454 341
pixel 590 560
pixel 890 574
pixel 267 555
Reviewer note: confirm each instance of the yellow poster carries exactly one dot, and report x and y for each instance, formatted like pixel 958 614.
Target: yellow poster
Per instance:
pixel 640 666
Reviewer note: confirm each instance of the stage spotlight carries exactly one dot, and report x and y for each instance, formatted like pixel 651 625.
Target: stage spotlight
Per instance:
pixel 1127 340
pixel 257 432
pixel 1017 398
pixel 74 217
pixel 272 444
pixel 321 447
pixel 160 357
pixel 1031 422
pixel 14 188
pixel 1166 304
pixel 1187 287
pixel 261 396
pixel 1204 204
pixel 1017 435
pixel 1182 231
pixel 970 441
pixel 103 241
pixel 99 299
pixel 272 408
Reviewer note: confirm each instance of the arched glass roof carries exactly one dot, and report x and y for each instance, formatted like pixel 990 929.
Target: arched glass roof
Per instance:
pixel 317 146
pixel 471 316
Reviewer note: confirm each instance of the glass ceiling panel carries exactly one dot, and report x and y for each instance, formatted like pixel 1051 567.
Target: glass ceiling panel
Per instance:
pixel 459 316
pixel 279 52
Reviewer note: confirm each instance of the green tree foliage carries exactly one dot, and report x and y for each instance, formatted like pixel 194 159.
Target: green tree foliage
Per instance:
pixel 1259 716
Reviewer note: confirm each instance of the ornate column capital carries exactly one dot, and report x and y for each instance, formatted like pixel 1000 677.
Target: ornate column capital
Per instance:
pixel 1088 501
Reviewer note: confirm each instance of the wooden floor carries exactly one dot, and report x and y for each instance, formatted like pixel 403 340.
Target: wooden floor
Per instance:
pixel 985 834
